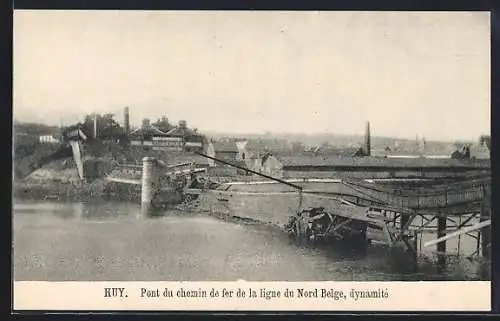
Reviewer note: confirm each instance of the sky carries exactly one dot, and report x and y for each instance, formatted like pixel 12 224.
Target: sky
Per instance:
pixel 408 73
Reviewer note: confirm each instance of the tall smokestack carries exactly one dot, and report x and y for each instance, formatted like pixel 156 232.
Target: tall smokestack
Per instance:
pixel 183 126
pixel 368 145
pixel 146 123
pixel 126 121
pixel 95 125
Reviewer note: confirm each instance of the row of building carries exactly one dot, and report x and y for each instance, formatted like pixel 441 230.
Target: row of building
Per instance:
pixel 178 139
pixel 265 156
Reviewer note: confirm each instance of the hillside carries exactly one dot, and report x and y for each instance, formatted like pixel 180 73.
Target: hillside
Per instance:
pixel 99 158
pixel 381 143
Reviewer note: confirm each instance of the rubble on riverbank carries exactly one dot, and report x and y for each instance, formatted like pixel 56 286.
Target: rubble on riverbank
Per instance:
pixel 60 180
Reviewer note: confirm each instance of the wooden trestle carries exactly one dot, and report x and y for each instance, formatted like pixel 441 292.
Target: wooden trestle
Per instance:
pixel 445 208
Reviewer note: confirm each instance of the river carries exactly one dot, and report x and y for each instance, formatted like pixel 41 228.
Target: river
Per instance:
pixel 103 240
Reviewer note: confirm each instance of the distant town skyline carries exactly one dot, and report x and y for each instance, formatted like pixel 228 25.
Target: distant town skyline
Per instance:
pixel 407 73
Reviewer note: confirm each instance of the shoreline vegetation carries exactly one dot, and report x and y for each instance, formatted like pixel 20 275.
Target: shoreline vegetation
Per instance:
pixel 93 191
pixel 74 191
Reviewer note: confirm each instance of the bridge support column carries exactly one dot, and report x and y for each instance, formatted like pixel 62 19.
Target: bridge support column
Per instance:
pixel 403 221
pixel 409 240
pixel 441 246
pixel 441 232
pixel 486 231
pixel 149 184
pixel 77 156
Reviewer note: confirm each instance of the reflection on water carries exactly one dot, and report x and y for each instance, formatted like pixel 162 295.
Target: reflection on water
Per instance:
pixel 111 241
pixel 76 210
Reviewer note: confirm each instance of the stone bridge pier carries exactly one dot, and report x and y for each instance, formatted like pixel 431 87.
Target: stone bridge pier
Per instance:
pixel 149 184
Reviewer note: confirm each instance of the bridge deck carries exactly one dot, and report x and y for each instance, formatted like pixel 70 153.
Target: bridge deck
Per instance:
pixel 454 198
pixel 124 180
pixel 465 196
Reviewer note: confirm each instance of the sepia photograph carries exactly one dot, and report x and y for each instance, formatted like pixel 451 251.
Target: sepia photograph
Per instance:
pixel 260 146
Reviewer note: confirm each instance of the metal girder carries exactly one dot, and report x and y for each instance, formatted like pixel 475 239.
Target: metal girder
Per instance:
pixel 342 224
pixel 429 221
pixel 458 232
pixel 476 237
pixel 388 233
pixel 405 227
pixel 466 221
pixel 451 220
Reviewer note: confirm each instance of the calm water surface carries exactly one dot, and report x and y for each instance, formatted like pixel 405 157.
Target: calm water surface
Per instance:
pixel 110 241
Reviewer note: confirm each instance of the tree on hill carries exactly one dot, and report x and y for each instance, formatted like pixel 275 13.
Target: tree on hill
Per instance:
pixel 106 125
pixel 35 129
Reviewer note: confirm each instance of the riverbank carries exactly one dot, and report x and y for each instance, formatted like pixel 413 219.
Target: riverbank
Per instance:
pixel 55 190
pixel 59 179
pixel 99 189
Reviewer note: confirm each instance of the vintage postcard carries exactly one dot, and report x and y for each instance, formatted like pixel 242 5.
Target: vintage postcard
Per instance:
pixel 251 160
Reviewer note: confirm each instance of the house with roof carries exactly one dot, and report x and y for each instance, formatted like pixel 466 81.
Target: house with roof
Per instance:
pixel 177 139
pixel 264 145
pixel 480 151
pixel 226 150
pixel 330 151
pixel 150 137
pixel 49 139
pixel 271 165
pixel 242 151
pixel 192 140
pixel 256 149
pixel 473 151
pixel 254 162
pixel 229 151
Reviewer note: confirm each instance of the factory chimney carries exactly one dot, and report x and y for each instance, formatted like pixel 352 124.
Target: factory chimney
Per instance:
pixel 183 127
pixel 368 145
pixel 126 120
